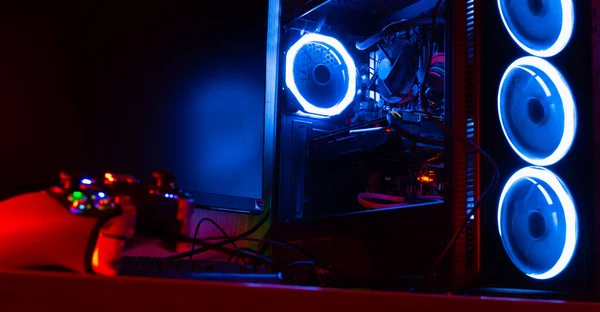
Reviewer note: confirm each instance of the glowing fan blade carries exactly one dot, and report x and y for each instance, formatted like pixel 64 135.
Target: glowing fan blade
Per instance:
pixel 320 74
pixel 540 27
pixel 537 221
pixel 537 111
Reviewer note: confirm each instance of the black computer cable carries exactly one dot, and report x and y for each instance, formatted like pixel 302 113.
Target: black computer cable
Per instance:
pixel 205 240
pixel 237 256
pixel 215 224
pixel 479 150
pixel 206 244
pixel 225 241
pixel 256 257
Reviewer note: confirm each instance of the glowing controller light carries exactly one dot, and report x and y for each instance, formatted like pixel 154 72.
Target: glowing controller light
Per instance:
pixel 566 31
pixel 565 201
pixel 338 48
pixel 532 65
pixel 86 181
pixel 77 195
pixel 109 178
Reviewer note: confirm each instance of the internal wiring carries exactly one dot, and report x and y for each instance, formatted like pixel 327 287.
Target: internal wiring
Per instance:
pixel 486 156
pixel 365 199
pixel 437 156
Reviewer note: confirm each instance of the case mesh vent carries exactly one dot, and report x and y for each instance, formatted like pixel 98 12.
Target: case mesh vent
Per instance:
pixel 465 172
pixel 471 114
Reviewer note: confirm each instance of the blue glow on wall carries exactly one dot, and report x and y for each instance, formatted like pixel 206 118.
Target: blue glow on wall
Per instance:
pixel 224 120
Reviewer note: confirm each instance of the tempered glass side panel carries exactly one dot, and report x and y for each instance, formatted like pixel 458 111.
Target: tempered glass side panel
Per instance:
pixel 361 97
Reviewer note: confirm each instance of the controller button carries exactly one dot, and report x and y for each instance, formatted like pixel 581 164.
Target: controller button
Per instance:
pixel 76 196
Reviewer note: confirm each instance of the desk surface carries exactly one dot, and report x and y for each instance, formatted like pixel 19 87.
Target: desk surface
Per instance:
pixel 26 291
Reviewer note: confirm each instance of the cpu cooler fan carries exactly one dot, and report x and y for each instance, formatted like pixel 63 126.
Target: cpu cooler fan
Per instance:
pixel 398 63
pixel 320 74
pixel 396 70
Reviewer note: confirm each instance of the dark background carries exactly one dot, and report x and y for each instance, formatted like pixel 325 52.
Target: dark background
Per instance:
pixel 134 87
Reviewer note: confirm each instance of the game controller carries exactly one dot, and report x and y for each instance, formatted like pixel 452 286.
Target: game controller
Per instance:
pixel 83 224
pixel 76 226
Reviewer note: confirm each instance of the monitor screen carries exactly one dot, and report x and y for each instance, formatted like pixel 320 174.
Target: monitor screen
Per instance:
pixel 132 88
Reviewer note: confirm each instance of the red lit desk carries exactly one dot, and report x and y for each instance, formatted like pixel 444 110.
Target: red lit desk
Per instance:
pixel 33 291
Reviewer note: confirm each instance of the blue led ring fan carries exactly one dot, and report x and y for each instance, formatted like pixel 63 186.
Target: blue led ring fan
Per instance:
pixel 320 74
pixel 537 222
pixel 540 27
pixel 537 111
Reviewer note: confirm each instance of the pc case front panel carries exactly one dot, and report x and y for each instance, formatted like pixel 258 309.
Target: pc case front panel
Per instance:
pixel 537 124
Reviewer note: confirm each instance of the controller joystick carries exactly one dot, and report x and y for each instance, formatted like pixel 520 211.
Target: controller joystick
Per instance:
pixel 76 225
pixel 164 179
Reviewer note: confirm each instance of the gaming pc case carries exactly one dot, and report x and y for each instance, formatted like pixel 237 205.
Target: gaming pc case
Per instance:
pixel 515 80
